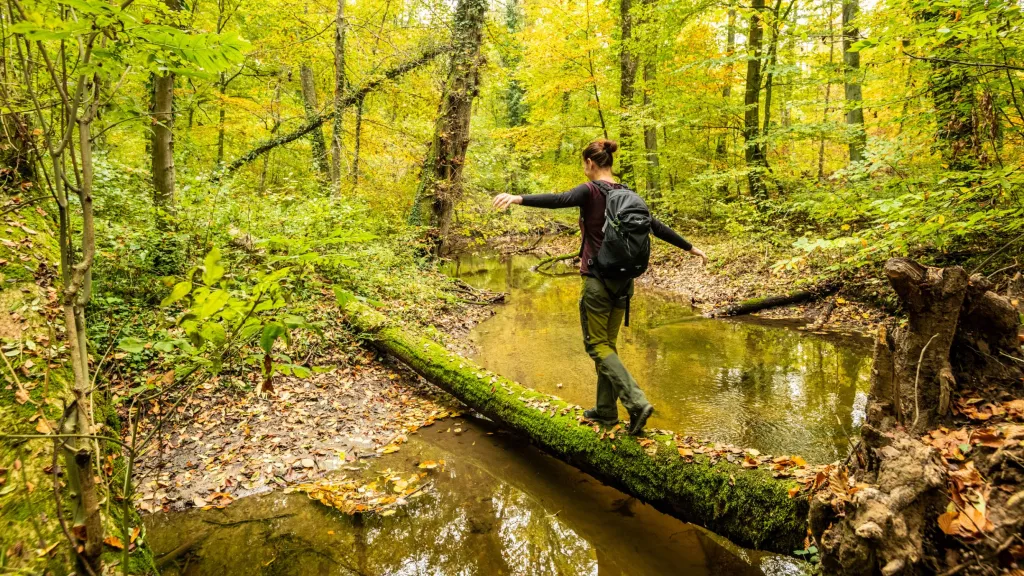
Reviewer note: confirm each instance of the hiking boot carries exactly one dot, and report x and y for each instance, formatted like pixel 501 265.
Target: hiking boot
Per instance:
pixel 637 420
pixel 592 415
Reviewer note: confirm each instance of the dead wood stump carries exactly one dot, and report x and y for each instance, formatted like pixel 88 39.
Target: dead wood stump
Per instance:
pixel 912 379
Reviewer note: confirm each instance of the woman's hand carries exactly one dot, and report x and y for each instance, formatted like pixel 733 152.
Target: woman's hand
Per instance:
pixel 700 254
pixel 503 201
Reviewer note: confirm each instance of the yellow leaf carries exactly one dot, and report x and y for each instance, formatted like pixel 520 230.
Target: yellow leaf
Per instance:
pixel 390 449
pixel 948 522
pixel 114 542
pixel 686 452
pixel 798 461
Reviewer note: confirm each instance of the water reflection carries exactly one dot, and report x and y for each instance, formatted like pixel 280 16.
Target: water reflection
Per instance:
pixel 499 508
pixel 752 384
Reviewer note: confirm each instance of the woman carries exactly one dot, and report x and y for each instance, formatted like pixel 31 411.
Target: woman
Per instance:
pixel 602 301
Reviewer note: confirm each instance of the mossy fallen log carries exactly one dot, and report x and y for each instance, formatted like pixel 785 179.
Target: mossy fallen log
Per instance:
pixel 750 507
pixel 753 305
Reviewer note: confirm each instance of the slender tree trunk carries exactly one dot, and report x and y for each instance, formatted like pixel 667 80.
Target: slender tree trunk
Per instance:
pixel 309 99
pixel 651 134
pixel 851 73
pixel 340 87
pixel 627 89
pixel 653 182
pixel 358 139
pixel 721 145
pixel 162 143
pixel 222 88
pixel 754 153
pixel 828 93
pixel 441 184
pixel 561 133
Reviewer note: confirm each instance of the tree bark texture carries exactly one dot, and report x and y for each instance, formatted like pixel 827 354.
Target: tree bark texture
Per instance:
pixel 851 64
pixel 162 138
pixel 627 90
pixel 441 182
pixel 754 152
pixel 721 145
pixel 309 100
pixel 340 88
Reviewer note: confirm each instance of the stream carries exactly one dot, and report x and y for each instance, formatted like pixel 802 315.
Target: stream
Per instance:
pixel 501 507
pixel 749 382
pixel 498 507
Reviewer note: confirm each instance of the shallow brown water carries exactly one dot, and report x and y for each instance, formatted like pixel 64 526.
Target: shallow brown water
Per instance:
pixel 755 384
pixel 499 507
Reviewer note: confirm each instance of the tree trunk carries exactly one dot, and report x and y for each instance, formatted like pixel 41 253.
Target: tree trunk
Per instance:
pixel 721 146
pixel 953 93
pixel 754 153
pixel 828 94
pixel 913 379
pixel 340 87
pixel 162 143
pixel 309 100
pixel 750 507
pixel 441 183
pixel 627 89
pixel 358 140
pixel 851 72
pixel 653 184
pixel 222 88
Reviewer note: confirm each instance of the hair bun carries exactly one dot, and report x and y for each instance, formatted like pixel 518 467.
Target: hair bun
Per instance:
pixel 610 146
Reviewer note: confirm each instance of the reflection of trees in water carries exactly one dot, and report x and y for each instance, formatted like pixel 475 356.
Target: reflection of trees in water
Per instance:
pixel 462 532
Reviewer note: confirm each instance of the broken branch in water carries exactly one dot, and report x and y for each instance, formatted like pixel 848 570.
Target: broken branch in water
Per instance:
pixel 473 295
pixel 539 266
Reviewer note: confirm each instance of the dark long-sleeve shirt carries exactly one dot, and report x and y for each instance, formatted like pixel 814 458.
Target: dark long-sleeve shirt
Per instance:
pixel 591 201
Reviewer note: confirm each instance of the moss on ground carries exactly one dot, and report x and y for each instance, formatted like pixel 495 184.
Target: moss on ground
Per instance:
pixel 750 507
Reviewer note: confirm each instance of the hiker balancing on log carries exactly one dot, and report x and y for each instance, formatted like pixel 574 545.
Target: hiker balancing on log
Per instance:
pixel 616 226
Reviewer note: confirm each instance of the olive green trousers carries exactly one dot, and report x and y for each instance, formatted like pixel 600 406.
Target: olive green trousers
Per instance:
pixel 601 315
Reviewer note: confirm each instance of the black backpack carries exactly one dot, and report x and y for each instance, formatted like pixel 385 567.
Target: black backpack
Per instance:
pixel 626 250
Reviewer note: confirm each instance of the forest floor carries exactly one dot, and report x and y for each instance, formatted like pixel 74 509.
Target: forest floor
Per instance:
pixel 225 442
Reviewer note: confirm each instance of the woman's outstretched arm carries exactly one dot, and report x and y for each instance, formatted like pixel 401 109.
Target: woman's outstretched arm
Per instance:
pixel 574 197
pixel 662 231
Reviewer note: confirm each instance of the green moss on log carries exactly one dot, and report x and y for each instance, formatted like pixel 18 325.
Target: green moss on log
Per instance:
pixel 750 507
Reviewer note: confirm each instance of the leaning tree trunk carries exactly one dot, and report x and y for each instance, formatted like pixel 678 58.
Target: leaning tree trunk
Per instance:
pixel 754 153
pixel 851 63
pixel 311 106
pixel 441 183
pixel 750 507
